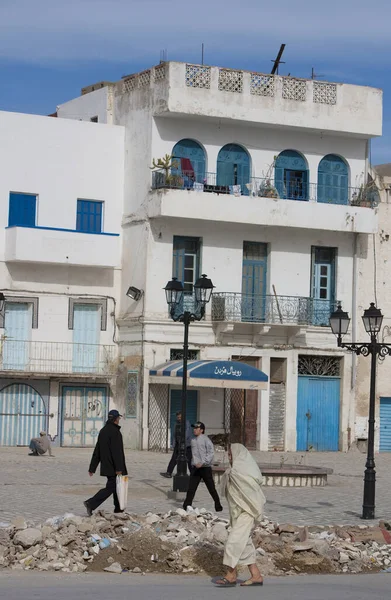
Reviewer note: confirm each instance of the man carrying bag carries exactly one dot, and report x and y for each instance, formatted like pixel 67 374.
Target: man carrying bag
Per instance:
pixel 109 452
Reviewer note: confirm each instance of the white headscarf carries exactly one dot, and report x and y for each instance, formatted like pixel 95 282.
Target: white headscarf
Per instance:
pixel 241 483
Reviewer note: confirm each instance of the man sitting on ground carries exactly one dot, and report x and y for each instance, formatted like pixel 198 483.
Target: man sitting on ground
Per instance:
pixel 39 446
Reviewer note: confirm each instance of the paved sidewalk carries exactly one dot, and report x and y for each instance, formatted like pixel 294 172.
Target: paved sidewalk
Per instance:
pixel 41 487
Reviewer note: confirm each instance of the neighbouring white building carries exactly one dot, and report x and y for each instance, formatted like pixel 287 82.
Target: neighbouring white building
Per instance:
pixel 61 202
pixel 374 286
pixel 266 192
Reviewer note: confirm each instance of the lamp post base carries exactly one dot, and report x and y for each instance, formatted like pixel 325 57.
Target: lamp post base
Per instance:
pixel 180 483
pixel 368 513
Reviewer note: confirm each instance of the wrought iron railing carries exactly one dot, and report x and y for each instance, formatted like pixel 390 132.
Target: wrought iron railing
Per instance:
pixel 263 187
pixel 284 310
pixel 56 357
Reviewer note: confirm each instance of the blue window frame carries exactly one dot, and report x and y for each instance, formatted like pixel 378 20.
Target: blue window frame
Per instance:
pixel 89 216
pixel 22 210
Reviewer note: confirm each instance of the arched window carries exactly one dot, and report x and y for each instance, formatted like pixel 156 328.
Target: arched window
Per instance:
pixel 233 167
pixel 333 180
pixel 190 158
pixel 291 175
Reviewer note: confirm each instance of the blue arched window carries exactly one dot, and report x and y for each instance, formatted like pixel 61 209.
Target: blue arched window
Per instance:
pixel 233 167
pixel 190 157
pixel 291 175
pixel 333 180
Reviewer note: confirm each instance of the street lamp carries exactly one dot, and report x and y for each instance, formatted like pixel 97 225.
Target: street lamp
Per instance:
pixel 372 319
pixel 203 288
pixel 2 301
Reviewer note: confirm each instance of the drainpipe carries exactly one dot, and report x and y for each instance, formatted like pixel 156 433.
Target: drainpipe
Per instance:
pixel 354 334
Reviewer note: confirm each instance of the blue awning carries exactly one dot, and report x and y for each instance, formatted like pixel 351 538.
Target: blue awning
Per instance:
pixel 210 373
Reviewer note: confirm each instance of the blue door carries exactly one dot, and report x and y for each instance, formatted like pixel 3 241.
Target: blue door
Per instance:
pixel 291 176
pixel 318 414
pixel 17 334
pixel 86 333
pixel 254 281
pixel 333 180
pixel 190 158
pixel 233 167
pixel 385 424
pixel 22 415
pixel 176 405
pixel 84 412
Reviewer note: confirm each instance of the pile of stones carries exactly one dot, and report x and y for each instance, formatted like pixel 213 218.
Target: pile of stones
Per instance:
pixel 72 543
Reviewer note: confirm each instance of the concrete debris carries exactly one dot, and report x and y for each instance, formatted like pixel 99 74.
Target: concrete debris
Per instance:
pixel 114 568
pixel 190 541
pixel 28 537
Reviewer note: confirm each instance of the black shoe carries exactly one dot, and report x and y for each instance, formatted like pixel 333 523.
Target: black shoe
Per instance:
pixel 118 510
pixel 167 475
pixel 218 508
pixel 33 454
pixel 185 506
pixel 88 508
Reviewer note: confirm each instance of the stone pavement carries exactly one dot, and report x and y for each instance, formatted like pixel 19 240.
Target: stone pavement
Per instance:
pixel 42 487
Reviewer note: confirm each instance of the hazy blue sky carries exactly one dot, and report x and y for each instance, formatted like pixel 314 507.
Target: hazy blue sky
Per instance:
pixel 49 49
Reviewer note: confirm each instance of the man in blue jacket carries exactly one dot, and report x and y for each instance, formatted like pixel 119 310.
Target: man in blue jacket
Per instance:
pixel 177 441
pixel 109 452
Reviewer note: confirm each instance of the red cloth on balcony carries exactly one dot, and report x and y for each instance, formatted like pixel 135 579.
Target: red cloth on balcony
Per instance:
pixel 187 168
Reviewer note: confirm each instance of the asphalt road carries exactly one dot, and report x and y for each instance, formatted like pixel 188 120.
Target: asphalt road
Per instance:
pixel 99 586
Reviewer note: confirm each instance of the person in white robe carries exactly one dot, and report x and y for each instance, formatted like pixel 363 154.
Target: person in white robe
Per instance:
pixel 241 485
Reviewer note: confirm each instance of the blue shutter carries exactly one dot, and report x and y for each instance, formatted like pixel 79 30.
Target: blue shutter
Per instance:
pixel 286 161
pixel 22 209
pixel 385 425
pixel 178 265
pixel 230 155
pixel 86 334
pixel 195 153
pixel 17 332
pixel 333 180
pixel 89 216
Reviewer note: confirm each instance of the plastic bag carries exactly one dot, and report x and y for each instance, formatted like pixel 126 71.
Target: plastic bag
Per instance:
pixel 122 490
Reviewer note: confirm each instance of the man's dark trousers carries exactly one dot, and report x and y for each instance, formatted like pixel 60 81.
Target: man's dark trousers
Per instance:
pixel 205 474
pixel 174 459
pixel 103 494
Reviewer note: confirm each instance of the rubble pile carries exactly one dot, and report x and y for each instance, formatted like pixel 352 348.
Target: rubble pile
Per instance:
pixel 189 541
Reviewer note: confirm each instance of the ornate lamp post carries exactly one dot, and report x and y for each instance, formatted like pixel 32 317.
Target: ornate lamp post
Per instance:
pixel 174 295
pixel 372 319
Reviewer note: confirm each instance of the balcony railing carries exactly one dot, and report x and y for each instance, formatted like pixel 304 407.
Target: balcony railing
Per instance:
pixel 367 196
pixel 270 309
pixel 56 357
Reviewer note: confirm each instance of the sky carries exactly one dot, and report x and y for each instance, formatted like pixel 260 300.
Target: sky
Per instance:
pixel 50 49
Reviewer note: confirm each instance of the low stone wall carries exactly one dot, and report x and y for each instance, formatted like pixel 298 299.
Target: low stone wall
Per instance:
pixel 286 476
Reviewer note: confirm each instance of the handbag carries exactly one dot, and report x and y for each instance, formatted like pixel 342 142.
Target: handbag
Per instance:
pixel 122 490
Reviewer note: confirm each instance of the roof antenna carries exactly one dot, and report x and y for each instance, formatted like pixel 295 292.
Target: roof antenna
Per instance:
pixel 163 56
pixel 277 62
pixel 314 75
pixel 202 53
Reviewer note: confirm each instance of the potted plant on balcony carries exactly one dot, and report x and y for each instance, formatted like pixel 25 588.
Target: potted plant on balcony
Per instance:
pixel 163 175
pixel 266 188
pixel 367 195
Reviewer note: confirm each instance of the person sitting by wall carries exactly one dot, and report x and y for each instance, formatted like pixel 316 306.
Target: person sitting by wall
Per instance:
pixel 39 446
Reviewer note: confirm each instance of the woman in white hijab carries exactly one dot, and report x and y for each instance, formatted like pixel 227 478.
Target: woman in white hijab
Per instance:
pixel 241 485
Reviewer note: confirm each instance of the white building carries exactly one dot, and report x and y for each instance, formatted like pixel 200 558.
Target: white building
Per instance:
pixel 374 286
pixel 266 196
pixel 61 192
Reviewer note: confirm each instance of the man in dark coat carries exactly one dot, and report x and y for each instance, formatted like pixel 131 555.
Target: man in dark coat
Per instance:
pixel 109 452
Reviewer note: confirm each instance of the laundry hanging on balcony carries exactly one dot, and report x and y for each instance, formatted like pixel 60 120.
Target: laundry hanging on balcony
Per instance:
pixel 210 373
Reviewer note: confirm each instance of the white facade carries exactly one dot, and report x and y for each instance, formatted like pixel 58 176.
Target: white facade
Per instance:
pixel 49 268
pixel 264 117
